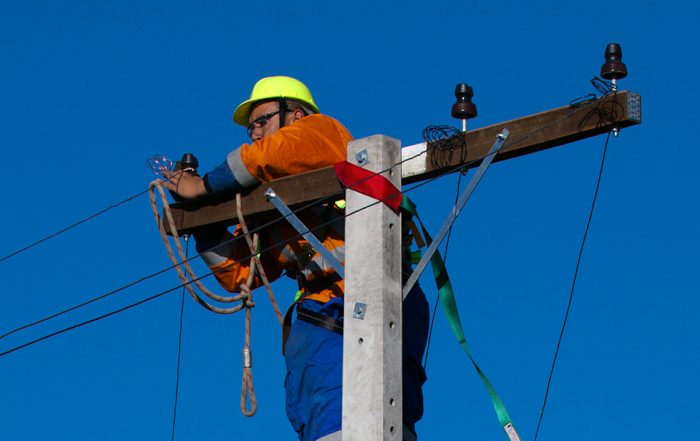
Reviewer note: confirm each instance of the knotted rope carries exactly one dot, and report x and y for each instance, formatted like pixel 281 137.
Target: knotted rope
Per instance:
pixel 183 258
pixel 247 390
pixel 246 296
pixel 253 245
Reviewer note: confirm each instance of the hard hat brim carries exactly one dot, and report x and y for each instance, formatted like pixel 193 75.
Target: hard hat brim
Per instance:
pixel 243 111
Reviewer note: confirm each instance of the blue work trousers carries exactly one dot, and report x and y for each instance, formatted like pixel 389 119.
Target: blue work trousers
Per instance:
pixel 314 358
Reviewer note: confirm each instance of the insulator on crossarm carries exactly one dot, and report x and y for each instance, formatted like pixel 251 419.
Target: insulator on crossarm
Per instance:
pixel 613 69
pixel 463 108
pixel 188 163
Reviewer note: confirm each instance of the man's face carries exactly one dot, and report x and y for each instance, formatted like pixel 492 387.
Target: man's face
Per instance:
pixel 262 124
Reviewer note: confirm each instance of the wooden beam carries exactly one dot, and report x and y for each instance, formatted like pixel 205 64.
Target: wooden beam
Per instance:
pixel 529 134
pixel 293 190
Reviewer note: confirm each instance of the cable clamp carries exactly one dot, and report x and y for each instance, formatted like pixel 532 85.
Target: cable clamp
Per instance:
pixel 247 358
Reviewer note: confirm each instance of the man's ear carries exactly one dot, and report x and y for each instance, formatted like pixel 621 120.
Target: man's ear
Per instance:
pixel 298 114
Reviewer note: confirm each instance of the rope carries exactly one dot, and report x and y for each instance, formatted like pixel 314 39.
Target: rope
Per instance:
pixel 246 296
pixel 183 258
pixel 247 390
pixel 248 401
pixel 254 246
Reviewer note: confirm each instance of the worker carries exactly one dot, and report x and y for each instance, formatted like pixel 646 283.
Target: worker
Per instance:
pixel 289 136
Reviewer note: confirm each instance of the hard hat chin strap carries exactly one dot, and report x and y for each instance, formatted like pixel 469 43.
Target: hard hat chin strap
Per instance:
pixel 283 112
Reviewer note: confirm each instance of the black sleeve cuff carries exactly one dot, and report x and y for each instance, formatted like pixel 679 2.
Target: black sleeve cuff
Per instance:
pixel 206 183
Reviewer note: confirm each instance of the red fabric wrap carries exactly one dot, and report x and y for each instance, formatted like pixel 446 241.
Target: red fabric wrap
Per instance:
pixel 368 183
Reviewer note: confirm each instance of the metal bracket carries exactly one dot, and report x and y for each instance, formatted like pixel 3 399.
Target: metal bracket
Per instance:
pixel 634 107
pixel 359 311
pixel 362 157
pixel 305 232
pixel 500 140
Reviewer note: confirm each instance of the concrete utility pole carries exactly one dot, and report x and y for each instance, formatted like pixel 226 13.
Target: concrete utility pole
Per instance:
pixel 372 385
pixel 372 395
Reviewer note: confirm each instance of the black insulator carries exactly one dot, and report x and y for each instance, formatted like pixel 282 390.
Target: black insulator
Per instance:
pixel 464 108
pixel 614 68
pixel 188 163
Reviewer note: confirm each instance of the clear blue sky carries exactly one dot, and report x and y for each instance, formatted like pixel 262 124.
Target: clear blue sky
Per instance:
pixel 89 90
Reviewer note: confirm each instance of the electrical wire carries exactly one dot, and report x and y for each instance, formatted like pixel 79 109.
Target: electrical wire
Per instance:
pixel 437 297
pixel 179 347
pixel 70 227
pixel 87 302
pixel 445 140
pixel 86 219
pixel 92 216
pixel 573 286
pixel 436 132
pixel 232 240
pixel 604 87
pixel 92 320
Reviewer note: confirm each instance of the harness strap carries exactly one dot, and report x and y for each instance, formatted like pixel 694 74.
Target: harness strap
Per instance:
pixel 449 307
pixel 308 316
pixel 318 319
pixel 287 325
pixel 315 286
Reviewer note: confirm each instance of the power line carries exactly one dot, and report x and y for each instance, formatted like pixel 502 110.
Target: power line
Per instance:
pixel 179 349
pixel 318 227
pixel 70 227
pixel 437 297
pixel 577 107
pixel 117 204
pixel 80 305
pixel 92 320
pixel 573 286
pixel 110 293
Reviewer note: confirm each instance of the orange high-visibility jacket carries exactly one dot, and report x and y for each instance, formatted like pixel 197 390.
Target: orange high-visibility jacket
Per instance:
pixel 312 142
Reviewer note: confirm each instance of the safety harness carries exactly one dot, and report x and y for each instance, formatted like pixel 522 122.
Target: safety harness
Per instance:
pixel 306 287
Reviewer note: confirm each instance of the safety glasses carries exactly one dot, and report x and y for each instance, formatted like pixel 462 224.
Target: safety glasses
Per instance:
pixel 260 122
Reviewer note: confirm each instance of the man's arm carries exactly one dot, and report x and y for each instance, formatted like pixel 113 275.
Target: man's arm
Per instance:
pixel 313 142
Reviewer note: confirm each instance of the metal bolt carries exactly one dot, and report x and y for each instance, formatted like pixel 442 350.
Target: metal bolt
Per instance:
pixel 359 311
pixel 362 157
pixel 270 194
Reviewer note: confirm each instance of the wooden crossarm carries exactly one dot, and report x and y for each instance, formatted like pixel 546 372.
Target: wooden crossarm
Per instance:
pixel 528 134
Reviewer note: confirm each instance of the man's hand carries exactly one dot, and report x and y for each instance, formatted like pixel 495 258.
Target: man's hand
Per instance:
pixel 184 184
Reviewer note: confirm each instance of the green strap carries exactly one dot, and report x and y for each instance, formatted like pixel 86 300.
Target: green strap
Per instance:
pixel 449 307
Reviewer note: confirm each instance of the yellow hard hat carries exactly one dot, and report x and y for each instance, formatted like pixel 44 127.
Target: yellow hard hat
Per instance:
pixel 271 88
